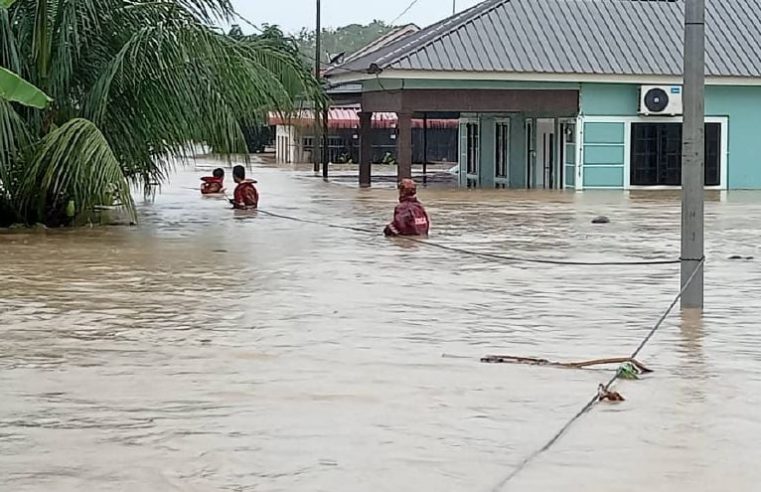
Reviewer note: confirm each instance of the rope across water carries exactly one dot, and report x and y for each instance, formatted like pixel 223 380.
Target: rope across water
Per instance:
pixel 591 403
pixel 502 258
pixel 488 256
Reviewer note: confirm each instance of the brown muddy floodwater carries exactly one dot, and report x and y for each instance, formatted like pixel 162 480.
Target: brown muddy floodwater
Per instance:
pixel 204 351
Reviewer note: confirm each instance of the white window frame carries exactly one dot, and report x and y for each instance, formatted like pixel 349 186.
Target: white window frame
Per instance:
pixel 562 143
pixel 464 175
pixel 628 120
pixel 579 183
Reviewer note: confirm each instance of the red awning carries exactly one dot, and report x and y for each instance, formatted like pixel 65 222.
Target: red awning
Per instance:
pixel 349 118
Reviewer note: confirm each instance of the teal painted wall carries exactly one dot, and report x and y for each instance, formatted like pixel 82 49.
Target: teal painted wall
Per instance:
pixel 603 177
pixel 603 155
pixel 609 99
pixel 570 165
pixel 604 133
pixel 741 105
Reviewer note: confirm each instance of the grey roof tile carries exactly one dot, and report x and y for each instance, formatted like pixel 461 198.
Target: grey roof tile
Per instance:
pixel 605 37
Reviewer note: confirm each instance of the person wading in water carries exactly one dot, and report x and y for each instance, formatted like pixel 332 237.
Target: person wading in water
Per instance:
pixel 246 196
pixel 410 217
pixel 214 184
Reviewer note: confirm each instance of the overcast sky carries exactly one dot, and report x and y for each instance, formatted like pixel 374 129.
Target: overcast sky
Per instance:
pixel 292 15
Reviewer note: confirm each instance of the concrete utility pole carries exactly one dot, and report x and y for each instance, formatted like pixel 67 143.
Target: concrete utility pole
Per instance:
pixel 316 153
pixel 454 7
pixel 693 153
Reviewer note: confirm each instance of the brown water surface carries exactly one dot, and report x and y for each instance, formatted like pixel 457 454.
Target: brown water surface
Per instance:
pixel 207 351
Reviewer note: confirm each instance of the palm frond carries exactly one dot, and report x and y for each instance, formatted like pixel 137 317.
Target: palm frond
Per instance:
pixel 15 146
pixel 74 163
pixel 175 82
pixel 135 84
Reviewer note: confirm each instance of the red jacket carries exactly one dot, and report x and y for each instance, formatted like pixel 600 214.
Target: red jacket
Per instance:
pixel 410 219
pixel 246 196
pixel 212 185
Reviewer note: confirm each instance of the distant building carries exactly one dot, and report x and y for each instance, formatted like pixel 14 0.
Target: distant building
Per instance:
pixel 572 94
pixel 294 138
pixel 294 141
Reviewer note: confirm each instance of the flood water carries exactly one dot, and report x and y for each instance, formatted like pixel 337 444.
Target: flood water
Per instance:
pixel 205 351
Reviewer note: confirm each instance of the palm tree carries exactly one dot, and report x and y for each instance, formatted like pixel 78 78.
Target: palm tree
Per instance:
pixel 133 84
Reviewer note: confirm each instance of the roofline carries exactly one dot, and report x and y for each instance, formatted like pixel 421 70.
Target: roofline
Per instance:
pixel 394 35
pixel 434 31
pixel 460 20
pixel 396 74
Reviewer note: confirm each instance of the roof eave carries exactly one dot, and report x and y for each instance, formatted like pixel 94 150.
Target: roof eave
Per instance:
pixel 665 79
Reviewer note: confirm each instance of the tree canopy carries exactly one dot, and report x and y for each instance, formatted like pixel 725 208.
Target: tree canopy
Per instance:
pixel 346 39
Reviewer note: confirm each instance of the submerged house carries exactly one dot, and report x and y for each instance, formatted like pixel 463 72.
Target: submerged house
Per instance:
pixel 571 94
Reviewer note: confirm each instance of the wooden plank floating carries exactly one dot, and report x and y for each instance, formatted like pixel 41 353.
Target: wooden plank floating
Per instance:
pixel 532 361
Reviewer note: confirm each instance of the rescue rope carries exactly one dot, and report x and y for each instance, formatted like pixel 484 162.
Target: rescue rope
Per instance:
pixel 591 404
pixel 489 256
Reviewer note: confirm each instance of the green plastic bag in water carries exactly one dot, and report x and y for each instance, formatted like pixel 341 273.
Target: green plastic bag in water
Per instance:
pixel 628 371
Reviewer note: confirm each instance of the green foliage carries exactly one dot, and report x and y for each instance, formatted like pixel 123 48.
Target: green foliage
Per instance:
pixel 14 88
pixel 134 85
pixel 346 39
pixel 73 168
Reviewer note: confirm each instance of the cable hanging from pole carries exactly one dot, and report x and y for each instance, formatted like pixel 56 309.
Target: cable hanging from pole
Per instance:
pixel 489 256
pixel 603 389
pixel 404 12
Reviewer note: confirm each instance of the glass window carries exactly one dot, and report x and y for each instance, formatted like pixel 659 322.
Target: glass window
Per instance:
pixel 656 154
pixel 501 151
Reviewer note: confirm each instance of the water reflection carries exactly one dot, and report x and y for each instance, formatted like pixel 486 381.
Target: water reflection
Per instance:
pixel 199 352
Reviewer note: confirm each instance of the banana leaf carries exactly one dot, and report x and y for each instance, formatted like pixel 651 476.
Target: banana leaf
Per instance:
pixel 15 89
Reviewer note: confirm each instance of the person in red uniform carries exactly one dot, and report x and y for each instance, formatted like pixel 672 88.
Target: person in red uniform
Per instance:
pixel 410 218
pixel 213 184
pixel 246 195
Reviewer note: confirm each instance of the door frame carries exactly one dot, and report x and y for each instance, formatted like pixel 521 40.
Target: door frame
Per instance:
pixel 499 181
pixel 566 169
pixel 530 141
pixel 549 175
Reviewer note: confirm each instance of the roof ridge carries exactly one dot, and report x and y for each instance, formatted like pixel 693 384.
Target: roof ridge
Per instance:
pixel 382 41
pixel 459 21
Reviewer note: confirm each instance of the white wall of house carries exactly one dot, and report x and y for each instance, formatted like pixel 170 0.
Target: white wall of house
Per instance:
pixel 289 145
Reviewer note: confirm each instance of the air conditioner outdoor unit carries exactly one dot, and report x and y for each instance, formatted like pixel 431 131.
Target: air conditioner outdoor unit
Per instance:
pixel 660 100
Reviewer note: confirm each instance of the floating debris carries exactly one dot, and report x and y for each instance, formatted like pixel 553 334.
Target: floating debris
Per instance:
pixel 628 371
pixel 634 364
pixel 604 394
pixel 601 220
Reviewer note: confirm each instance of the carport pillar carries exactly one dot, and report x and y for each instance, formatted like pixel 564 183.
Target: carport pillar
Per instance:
pixel 487 164
pixel 365 148
pixel 404 146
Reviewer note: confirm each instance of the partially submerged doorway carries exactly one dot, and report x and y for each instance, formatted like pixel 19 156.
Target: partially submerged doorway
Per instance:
pixel 546 173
